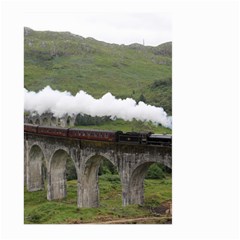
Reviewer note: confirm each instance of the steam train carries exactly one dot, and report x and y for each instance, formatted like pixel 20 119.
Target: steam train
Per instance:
pixel 101 135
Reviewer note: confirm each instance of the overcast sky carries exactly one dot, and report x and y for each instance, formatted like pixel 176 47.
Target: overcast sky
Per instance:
pixel 120 28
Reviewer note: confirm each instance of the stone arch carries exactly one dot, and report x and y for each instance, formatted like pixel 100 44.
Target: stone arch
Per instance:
pixel 37 121
pixel 89 190
pixel 53 121
pixel 35 169
pixel 57 175
pixel 45 121
pixel 136 183
pixel 59 122
pixel 68 122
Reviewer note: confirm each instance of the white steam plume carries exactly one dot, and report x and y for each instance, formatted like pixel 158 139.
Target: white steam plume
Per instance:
pixel 60 103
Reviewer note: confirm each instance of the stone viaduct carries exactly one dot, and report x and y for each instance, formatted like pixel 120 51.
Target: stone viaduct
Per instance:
pixel 131 161
pixel 48 119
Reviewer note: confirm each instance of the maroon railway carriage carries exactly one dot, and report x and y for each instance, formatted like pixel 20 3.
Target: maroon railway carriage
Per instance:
pixel 101 135
pixel 30 128
pixel 53 131
pixel 97 135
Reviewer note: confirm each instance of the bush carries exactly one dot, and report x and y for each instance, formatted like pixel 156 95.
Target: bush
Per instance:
pixel 86 120
pixel 71 173
pixel 155 172
pixel 107 167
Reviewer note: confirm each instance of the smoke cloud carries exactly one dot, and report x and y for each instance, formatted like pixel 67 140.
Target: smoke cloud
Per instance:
pixel 61 103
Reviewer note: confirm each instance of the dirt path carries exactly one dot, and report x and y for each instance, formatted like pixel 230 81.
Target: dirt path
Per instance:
pixel 138 220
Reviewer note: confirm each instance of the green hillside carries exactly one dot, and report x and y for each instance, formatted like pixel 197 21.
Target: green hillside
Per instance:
pixel 69 62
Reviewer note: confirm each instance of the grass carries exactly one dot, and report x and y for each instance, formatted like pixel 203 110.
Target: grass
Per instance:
pixel 128 126
pixel 68 62
pixel 38 210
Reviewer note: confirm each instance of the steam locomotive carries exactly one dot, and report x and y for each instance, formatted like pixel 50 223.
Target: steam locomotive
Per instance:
pixel 101 135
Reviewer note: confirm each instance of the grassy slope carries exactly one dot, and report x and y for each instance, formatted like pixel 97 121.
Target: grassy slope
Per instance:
pixel 128 126
pixel 69 62
pixel 37 209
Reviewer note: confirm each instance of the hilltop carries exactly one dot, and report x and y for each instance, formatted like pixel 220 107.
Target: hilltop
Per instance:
pixel 66 61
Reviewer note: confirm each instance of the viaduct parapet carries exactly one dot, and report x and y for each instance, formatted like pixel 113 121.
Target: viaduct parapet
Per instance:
pixel 131 161
pixel 48 119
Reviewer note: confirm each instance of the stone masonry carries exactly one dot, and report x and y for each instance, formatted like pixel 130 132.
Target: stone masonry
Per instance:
pixel 131 161
pixel 48 119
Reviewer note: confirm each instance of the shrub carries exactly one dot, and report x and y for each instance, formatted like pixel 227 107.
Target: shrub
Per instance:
pixel 107 167
pixel 155 172
pixel 71 173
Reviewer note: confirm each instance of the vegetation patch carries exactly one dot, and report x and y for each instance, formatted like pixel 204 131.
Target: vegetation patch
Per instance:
pixel 38 210
pixel 69 62
pixel 126 126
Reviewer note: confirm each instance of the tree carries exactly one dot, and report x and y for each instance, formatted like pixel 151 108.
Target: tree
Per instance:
pixel 142 98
